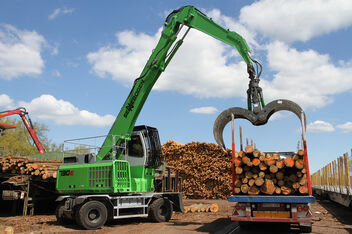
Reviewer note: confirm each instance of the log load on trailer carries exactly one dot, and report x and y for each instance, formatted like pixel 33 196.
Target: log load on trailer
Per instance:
pixel 118 181
pixel 282 190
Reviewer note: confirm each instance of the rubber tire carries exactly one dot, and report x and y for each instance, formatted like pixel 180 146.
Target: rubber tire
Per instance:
pixel 83 219
pixel 59 213
pixel 160 210
pixel 306 229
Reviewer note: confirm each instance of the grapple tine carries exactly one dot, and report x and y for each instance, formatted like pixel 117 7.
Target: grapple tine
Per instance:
pixel 225 117
pixel 260 118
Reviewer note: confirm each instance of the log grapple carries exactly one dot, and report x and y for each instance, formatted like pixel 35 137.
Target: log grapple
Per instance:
pixel 258 113
pixel 257 119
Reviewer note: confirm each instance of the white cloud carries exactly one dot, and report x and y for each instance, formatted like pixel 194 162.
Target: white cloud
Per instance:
pixel 306 77
pixel 233 25
pixel 54 51
pixel 291 20
pixel 204 110
pixel 280 115
pixel 57 73
pixel 346 127
pixel 276 116
pixel 72 64
pixel 6 102
pixel 60 11
pixel 20 52
pixel 206 67
pixel 201 67
pixel 64 113
pixel 126 62
pixel 320 126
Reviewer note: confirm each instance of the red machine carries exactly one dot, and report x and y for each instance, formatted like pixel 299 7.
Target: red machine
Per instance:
pixel 27 122
pixel 4 127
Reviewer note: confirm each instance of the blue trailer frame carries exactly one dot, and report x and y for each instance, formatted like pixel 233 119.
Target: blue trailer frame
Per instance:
pixel 280 199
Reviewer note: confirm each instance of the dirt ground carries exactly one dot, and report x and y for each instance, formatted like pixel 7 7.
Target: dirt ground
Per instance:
pixel 329 218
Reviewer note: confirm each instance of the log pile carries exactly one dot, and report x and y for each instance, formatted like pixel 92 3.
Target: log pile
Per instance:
pixel 269 174
pixel 201 208
pixel 206 171
pixel 44 169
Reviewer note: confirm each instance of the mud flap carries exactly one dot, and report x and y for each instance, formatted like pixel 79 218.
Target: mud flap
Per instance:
pixel 176 200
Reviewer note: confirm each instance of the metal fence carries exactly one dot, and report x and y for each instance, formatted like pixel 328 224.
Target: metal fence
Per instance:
pixel 92 145
pixel 336 176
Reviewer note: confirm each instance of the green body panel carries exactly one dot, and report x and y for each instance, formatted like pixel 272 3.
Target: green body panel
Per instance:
pixel 142 179
pixel 85 178
pixel 106 177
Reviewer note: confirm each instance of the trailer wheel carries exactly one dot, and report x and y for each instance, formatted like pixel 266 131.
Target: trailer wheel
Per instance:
pixel 59 213
pixel 92 215
pixel 160 210
pixel 306 229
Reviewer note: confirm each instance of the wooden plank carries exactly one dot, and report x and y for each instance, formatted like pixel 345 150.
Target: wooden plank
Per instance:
pixel 326 175
pixel 340 169
pixel 334 172
pixel 330 174
pixel 338 172
pixel 347 170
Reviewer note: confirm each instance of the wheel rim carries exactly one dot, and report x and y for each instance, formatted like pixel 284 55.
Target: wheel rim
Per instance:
pixel 93 215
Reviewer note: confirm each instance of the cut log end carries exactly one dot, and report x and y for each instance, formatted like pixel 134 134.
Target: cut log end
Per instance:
pixel 249 149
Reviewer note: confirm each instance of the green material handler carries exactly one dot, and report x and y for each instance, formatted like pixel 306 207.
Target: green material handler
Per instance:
pixel 118 181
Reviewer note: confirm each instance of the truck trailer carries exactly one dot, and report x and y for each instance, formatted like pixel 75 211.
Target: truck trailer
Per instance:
pixel 294 208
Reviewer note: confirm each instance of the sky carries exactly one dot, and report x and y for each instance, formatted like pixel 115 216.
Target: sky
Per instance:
pixel 71 64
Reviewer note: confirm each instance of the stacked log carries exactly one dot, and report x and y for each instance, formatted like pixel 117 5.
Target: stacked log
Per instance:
pixel 258 173
pixel 206 171
pixel 44 169
pixel 201 208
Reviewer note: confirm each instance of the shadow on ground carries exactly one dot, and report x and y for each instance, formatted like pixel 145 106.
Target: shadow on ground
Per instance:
pixel 340 212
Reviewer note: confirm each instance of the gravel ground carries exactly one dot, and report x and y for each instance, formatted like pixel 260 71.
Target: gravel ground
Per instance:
pixel 329 218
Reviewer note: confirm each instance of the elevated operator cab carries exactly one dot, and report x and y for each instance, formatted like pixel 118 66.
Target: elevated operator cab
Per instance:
pixel 131 170
pixel 144 149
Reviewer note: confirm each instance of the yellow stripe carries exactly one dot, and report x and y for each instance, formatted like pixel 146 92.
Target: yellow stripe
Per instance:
pixel 272 214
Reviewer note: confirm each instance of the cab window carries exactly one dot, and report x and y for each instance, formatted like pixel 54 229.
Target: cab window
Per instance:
pixel 135 147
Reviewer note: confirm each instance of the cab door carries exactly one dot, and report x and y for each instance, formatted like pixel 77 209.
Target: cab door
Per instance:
pixel 136 150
